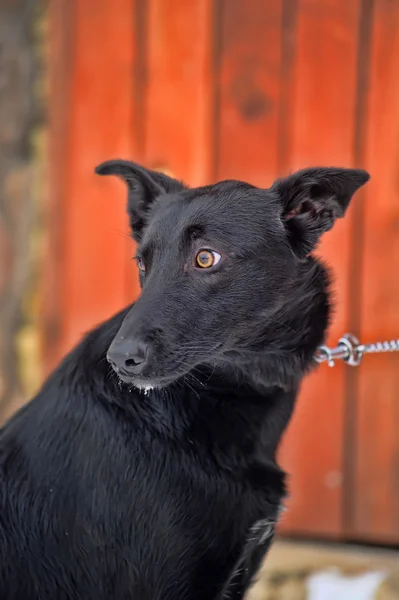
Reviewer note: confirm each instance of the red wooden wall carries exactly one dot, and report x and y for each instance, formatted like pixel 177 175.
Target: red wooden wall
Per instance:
pixel 211 89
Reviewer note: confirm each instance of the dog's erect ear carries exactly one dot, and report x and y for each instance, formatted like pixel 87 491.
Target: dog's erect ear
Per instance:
pixel 313 199
pixel 143 187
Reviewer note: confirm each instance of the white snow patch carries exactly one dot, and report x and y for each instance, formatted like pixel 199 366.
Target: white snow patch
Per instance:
pixel 331 585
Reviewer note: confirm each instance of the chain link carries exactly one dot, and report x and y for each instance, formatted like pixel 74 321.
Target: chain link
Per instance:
pixel 351 351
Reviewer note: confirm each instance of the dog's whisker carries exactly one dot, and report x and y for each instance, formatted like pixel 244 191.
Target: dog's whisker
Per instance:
pixel 187 382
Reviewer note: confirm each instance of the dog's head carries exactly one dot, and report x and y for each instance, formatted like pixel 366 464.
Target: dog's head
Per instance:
pixel 216 263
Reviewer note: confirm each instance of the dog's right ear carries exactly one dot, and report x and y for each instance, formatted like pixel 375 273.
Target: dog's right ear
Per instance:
pixel 143 185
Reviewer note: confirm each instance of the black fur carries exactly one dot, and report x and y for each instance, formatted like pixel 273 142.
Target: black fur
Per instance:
pixel 110 489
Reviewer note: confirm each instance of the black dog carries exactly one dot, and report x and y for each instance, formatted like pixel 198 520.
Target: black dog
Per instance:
pixel 157 478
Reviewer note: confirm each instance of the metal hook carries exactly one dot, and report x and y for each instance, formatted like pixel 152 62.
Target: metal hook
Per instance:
pixel 325 355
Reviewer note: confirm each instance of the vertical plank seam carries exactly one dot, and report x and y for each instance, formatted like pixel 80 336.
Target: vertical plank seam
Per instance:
pixel 218 10
pixel 140 74
pixel 354 271
pixel 52 326
pixel 137 90
pixel 288 45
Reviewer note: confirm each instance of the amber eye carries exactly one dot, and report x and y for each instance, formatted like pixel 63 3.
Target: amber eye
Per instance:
pixel 207 258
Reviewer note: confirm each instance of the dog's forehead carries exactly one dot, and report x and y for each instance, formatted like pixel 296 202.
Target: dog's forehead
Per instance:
pixel 226 209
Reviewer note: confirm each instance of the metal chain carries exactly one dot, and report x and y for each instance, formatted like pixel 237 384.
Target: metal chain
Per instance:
pixel 351 351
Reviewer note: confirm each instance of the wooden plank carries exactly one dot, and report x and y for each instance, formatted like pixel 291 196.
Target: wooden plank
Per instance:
pixel 94 248
pixel 323 98
pixel 59 54
pixel 179 102
pixel 375 508
pixel 250 84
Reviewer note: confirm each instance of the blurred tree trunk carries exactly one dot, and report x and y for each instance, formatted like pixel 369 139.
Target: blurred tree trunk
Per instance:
pixel 18 118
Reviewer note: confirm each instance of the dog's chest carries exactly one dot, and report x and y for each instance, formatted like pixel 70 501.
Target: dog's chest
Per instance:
pixel 195 523
pixel 170 520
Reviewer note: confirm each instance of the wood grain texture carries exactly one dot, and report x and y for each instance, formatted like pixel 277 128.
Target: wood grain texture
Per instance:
pixel 323 103
pixel 179 101
pixel 250 91
pixel 375 489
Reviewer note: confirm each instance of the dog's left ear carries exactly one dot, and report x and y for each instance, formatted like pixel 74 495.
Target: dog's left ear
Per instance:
pixel 312 200
pixel 143 185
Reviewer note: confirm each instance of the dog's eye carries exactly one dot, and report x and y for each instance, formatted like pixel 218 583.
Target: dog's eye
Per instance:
pixel 140 264
pixel 207 258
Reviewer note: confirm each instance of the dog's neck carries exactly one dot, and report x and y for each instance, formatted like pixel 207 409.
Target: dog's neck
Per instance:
pixel 286 343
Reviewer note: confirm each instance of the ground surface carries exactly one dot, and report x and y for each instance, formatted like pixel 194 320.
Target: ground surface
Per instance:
pixel 292 568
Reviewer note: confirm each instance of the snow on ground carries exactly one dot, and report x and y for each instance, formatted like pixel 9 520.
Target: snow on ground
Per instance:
pixel 331 584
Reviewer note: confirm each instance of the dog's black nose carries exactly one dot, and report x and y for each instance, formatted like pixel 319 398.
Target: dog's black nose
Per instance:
pixel 128 356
